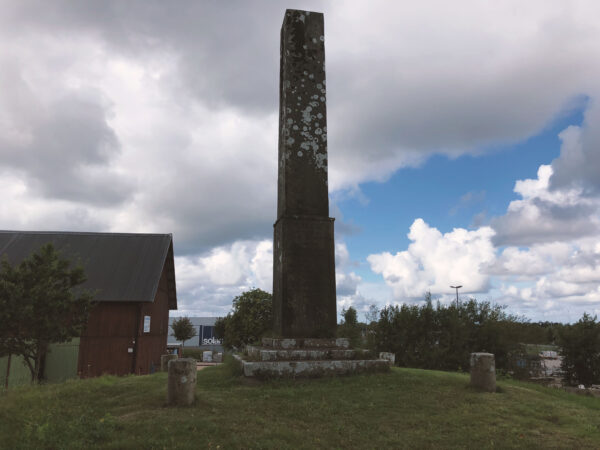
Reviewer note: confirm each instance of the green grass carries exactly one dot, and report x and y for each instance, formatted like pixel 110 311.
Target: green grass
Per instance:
pixel 403 408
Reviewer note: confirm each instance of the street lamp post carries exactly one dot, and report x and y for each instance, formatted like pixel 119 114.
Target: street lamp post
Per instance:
pixel 457 288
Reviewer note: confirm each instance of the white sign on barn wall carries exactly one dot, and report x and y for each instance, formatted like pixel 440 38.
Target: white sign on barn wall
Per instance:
pixel 146 324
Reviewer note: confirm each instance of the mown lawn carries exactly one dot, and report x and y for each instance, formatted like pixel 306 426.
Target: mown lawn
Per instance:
pixel 403 408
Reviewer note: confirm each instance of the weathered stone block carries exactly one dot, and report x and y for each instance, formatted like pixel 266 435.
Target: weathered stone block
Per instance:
pixel 164 361
pixel 207 356
pixel 391 357
pixel 305 354
pixel 181 387
pixel 483 371
pixel 304 301
pixel 327 343
pixel 282 343
pixel 310 369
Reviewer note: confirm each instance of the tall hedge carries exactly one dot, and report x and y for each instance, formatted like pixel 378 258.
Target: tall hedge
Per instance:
pixel 443 337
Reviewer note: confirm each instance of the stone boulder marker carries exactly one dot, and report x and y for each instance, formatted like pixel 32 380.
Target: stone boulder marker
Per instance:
pixel 181 383
pixel 483 371
pixel 304 301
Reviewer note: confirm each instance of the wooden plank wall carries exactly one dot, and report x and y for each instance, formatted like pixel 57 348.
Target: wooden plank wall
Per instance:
pixel 116 327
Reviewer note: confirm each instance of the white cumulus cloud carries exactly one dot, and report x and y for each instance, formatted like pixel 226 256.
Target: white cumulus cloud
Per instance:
pixel 434 261
pixel 546 215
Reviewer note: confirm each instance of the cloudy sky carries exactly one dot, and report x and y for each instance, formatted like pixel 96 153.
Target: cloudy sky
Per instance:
pixel 463 141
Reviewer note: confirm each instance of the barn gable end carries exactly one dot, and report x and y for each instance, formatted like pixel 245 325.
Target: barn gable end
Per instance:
pixel 133 276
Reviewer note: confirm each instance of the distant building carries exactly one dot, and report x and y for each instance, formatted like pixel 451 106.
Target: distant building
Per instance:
pixel 205 334
pixel 134 276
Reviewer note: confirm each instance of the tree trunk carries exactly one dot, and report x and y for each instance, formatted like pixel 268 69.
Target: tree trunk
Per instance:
pixel 27 358
pixel 7 370
pixel 41 349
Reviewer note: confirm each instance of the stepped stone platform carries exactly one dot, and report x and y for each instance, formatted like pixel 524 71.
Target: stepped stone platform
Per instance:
pixel 307 358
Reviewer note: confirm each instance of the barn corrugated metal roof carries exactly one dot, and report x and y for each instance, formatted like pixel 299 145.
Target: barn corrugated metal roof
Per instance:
pixel 121 267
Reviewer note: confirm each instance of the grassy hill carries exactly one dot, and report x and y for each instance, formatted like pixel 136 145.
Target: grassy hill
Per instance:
pixel 404 408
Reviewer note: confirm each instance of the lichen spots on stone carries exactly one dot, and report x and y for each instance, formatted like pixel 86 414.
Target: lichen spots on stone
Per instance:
pixel 319 116
pixel 300 153
pixel 314 40
pixel 318 131
pixel 311 76
pixel 319 86
pixel 321 160
pixel 290 141
pixel 301 18
pixel 322 38
pixel 306 116
pixel 290 121
pixel 322 99
pixel 295 127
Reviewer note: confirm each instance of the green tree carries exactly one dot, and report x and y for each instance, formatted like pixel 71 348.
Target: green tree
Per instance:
pixel 580 345
pixel 350 328
pixel 183 329
pixel 11 317
pixel 250 319
pixel 41 304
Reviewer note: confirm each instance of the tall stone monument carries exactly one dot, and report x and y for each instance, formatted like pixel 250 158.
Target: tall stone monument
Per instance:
pixel 304 301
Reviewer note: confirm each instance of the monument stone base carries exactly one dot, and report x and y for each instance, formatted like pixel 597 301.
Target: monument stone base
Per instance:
pixel 307 358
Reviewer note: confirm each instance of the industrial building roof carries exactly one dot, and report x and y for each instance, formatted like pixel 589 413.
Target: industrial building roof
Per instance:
pixel 196 321
pixel 120 267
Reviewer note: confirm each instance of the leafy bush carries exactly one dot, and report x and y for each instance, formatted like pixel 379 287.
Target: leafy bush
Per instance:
pixel 250 319
pixel 580 344
pixel 443 337
pixel 195 353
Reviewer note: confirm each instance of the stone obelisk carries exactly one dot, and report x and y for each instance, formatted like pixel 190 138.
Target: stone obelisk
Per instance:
pixel 304 301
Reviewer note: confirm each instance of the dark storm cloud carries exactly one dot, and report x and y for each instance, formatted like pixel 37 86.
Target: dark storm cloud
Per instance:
pixel 227 53
pixel 579 162
pixel 63 147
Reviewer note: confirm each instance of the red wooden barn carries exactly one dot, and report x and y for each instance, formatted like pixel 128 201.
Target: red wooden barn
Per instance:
pixel 134 277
